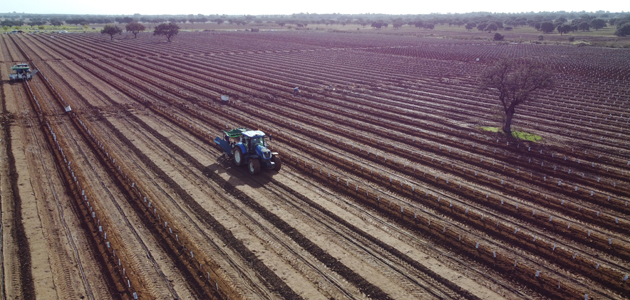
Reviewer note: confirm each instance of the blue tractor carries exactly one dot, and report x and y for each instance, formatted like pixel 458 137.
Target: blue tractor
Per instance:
pixel 249 147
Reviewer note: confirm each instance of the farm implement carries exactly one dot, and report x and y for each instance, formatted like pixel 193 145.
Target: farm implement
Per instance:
pixel 22 72
pixel 249 147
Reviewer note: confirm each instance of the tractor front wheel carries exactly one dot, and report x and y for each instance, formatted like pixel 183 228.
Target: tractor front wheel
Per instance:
pixel 277 162
pixel 238 157
pixel 254 166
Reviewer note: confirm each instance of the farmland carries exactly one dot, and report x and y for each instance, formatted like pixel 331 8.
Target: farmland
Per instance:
pixel 389 189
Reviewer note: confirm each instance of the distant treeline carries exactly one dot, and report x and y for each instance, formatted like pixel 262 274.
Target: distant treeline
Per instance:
pixel 545 22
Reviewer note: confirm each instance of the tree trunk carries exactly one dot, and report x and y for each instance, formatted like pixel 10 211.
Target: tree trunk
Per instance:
pixel 507 127
pixel 111 36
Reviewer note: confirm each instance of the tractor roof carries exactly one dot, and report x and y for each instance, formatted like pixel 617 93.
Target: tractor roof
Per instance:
pixel 253 133
pixel 20 67
pixel 236 132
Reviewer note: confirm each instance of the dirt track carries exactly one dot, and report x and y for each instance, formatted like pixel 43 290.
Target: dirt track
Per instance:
pixel 388 190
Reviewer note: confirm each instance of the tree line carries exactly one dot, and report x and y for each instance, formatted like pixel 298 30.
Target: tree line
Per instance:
pixel 168 30
pixel 546 22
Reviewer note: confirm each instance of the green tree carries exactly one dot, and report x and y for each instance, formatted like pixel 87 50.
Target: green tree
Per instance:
pixel 377 24
pixel 491 27
pixel 111 30
pixel 584 26
pixel 56 22
pixel 470 26
pixel 514 84
pixel 498 36
pixel 135 28
pixel 565 28
pixel 281 24
pixel 623 30
pixel 168 30
pixel 598 23
pixel 547 27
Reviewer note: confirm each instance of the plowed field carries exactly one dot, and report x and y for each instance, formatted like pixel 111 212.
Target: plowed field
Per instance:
pixel 389 187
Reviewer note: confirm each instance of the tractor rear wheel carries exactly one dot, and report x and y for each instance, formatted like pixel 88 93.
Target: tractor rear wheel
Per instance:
pixel 238 156
pixel 278 163
pixel 254 166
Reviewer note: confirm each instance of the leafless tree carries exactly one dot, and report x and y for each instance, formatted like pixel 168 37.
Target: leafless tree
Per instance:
pixel 514 84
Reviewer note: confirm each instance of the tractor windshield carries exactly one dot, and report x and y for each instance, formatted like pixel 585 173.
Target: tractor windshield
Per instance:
pixel 260 140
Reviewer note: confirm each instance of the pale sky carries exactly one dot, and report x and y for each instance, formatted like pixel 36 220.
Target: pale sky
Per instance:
pixel 266 7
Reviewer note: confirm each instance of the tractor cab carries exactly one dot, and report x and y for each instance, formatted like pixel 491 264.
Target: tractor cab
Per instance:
pixel 249 147
pixel 22 72
pixel 254 141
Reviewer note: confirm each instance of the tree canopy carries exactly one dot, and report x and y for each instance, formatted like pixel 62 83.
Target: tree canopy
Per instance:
pixel 598 23
pixel 514 84
pixel 565 28
pixel 111 30
pixel 547 27
pixel 623 30
pixel 491 27
pixel 168 30
pixel 584 26
pixel 135 28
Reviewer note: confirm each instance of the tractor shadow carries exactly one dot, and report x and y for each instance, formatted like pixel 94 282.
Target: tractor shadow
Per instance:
pixel 237 176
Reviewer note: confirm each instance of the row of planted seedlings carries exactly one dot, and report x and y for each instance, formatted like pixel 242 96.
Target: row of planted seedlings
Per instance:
pixel 526 212
pixel 188 86
pixel 381 106
pixel 454 101
pixel 200 271
pixel 500 260
pixel 576 161
pixel 175 242
pixel 612 220
pixel 120 279
pixel 12 52
pixel 569 226
pixel 426 87
pixel 229 239
pixel 191 127
pixel 523 238
pixel 131 48
pixel 187 127
pixel 428 160
pixel 201 103
pixel 42 53
pixel 408 139
pixel 344 271
pixel 468 87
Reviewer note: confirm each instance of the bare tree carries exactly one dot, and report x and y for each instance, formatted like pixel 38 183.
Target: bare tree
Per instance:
pixel 515 84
